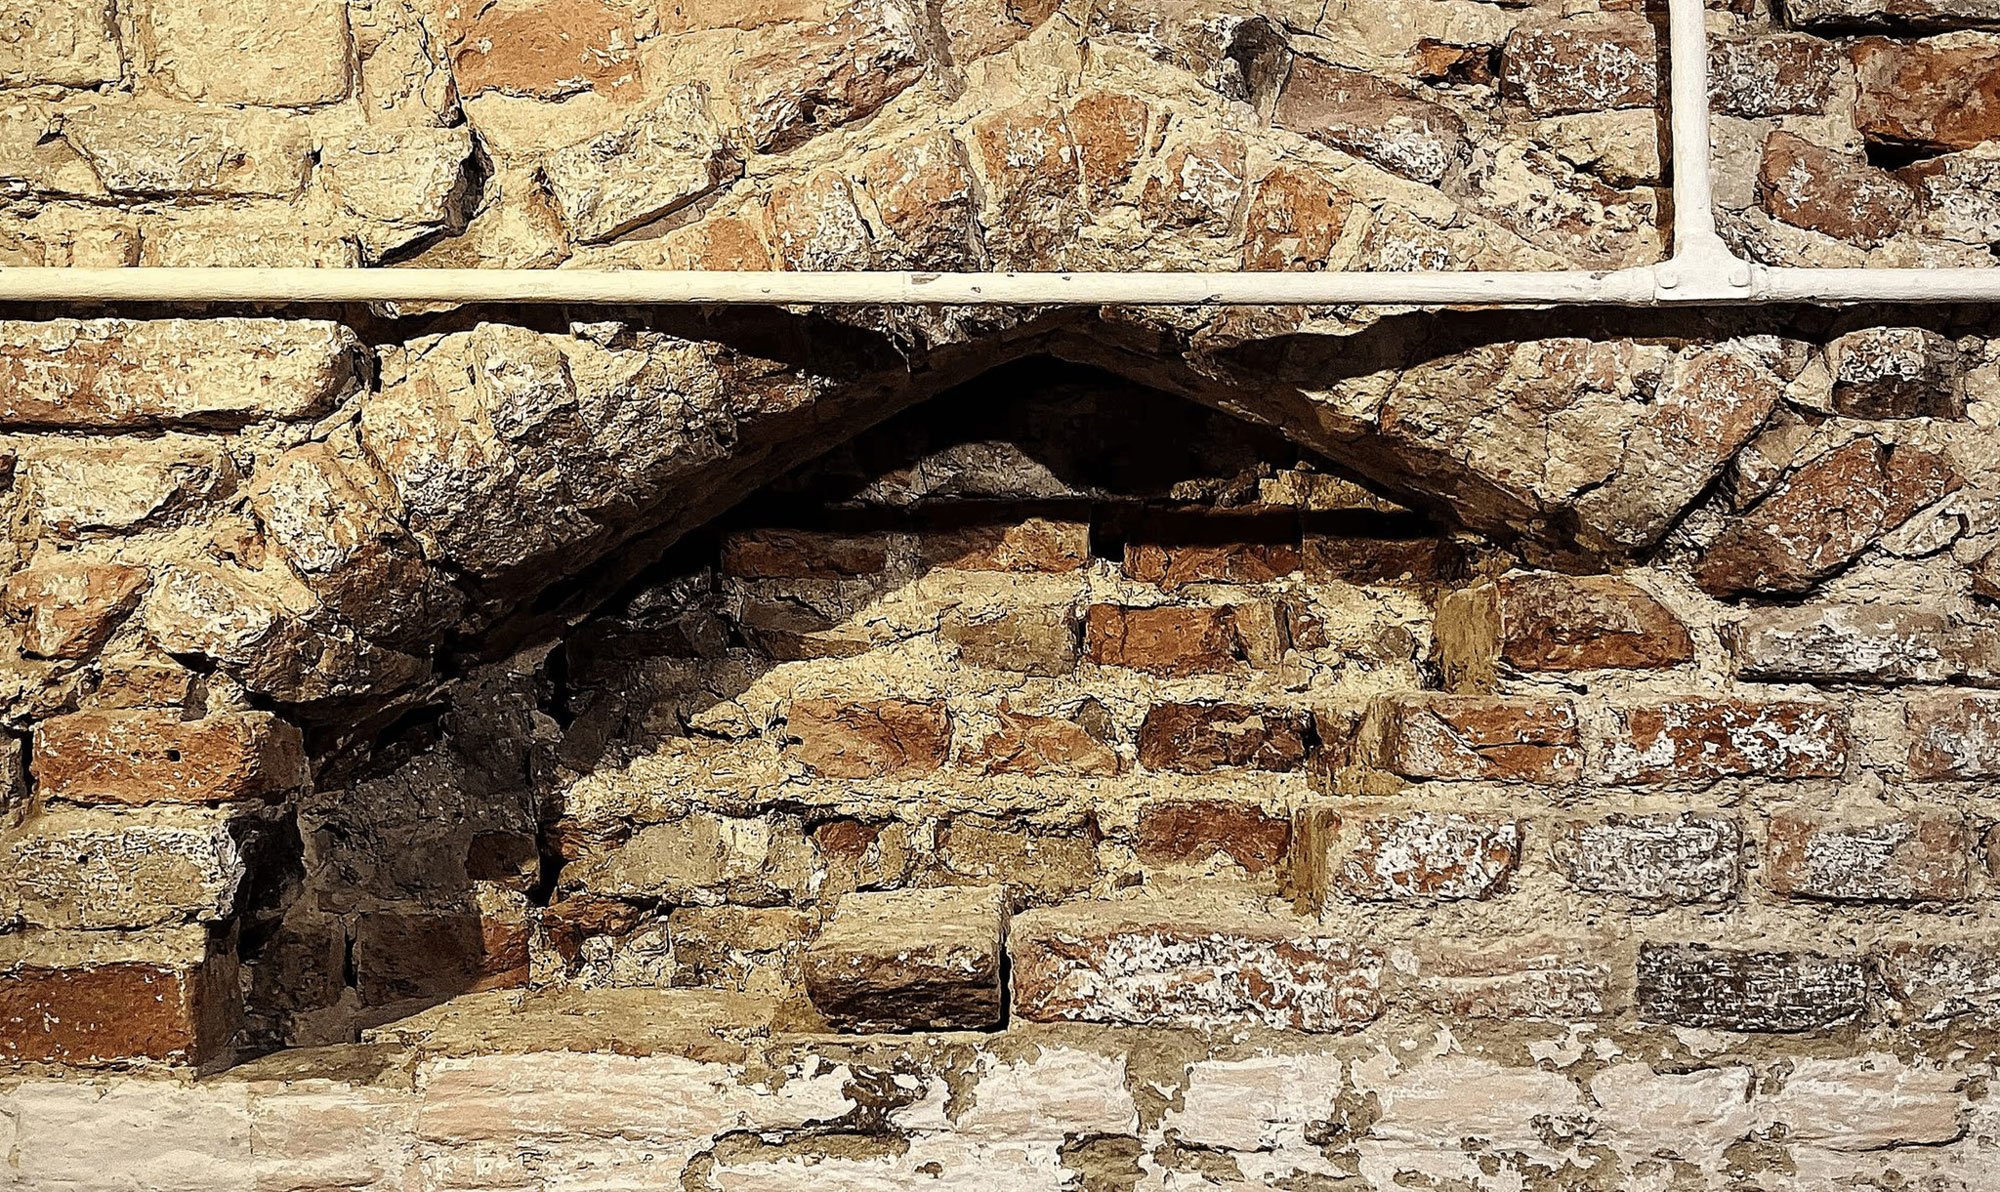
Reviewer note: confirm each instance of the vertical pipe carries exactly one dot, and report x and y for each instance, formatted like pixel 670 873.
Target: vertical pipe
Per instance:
pixel 1687 123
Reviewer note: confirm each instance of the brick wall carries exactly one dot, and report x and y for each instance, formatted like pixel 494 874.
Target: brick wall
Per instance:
pixel 1098 749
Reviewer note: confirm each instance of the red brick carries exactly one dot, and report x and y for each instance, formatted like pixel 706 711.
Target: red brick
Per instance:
pixel 1838 194
pixel 1907 859
pixel 1197 738
pixel 1430 735
pixel 1592 63
pixel 1196 966
pixel 1954 737
pixel 1038 544
pixel 1665 857
pixel 1171 640
pixel 1354 560
pixel 1823 517
pixel 1026 744
pixel 156 757
pixel 1178 565
pixel 1184 832
pixel 1443 855
pixel 889 738
pixel 1556 623
pixel 803 554
pixel 115 1012
pixel 1925 96
pixel 70 605
pixel 1699 740
pixel 1537 977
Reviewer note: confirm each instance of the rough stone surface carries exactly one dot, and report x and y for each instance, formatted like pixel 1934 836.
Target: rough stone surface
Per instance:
pixel 1840 195
pixel 1702 740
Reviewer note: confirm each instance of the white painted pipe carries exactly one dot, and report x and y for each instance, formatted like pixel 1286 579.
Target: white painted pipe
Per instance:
pixel 1623 287
pixel 1702 270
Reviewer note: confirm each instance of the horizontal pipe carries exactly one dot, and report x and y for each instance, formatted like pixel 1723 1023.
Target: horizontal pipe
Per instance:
pixel 1630 287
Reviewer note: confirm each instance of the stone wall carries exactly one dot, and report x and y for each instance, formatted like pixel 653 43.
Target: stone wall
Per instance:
pixel 486 748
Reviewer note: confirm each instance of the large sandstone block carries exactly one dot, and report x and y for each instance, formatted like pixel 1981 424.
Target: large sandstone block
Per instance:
pixel 1926 96
pixel 1025 744
pixel 1904 859
pixel 1201 966
pixel 1895 372
pixel 156 757
pixel 1035 864
pixel 1590 63
pixel 1024 638
pixel 840 64
pixel 68 605
pixel 904 960
pixel 1509 739
pixel 1953 737
pixel 653 165
pixel 1701 986
pixel 1699 740
pixel 1823 516
pixel 703 859
pixel 1784 74
pixel 97 998
pixel 1377 121
pixel 1531 977
pixel 1550 622
pixel 115 374
pixel 542 49
pixel 68 43
pixel 1036 544
pixel 174 152
pixel 1667 857
pixel 1171 641
pixel 101 488
pixel 1839 194
pixel 292 55
pixel 1934 982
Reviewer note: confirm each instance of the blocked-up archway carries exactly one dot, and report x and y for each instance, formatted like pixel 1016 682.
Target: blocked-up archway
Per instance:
pixel 1076 703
